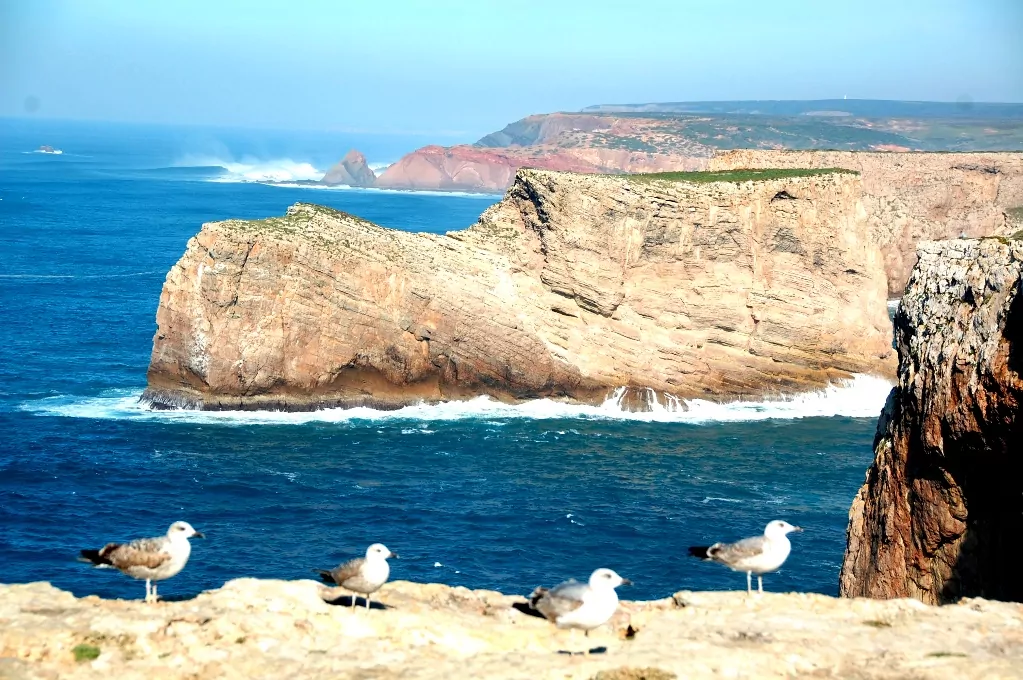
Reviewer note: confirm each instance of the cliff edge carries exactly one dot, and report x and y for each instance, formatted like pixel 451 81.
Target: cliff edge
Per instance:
pixel 252 628
pixel 941 513
pixel 675 286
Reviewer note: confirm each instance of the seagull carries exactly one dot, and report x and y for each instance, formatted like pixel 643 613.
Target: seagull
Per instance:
pixel 580 605
pixel 152 559
pixel 757 555
pixel 363 575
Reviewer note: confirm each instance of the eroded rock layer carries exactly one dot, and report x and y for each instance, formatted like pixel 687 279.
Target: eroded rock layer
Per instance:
pixel 571 286
pixel 941 513
pixel 913 197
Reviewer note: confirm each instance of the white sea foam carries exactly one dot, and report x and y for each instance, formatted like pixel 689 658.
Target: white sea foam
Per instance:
pixel 374 190
pixel 249 169
pixel 861 397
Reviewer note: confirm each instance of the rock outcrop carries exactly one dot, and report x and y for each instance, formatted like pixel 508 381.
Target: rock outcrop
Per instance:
pixel 941 513
pixel 571 287
pixel 484 170
pixel 913 197
pixel 253 628
pixel 352 170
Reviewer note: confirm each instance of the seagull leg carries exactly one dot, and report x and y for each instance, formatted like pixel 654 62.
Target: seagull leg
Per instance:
pixel 353 601
pixel 749 582
pixel 367 602
pixel 148 588
pixel 156 598
pixel 760 584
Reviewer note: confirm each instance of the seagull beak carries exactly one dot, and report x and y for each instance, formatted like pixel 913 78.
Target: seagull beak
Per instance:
pixel 198 534
pixel 626 582
pixel 393 556
pixel 797 528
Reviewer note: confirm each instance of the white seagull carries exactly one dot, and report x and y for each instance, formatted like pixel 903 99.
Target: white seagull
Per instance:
pixel 152 559
pixel 363 575
pixel 580 605
pixel 758 555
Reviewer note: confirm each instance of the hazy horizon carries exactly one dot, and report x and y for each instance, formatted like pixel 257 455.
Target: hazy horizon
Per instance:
pixel 459 71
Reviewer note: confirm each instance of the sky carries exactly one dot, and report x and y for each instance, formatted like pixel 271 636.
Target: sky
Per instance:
pixel 463 69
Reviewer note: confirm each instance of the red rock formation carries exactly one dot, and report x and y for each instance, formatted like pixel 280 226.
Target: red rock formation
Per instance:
pixel 570 287
pixel 473 168
pixel 941 513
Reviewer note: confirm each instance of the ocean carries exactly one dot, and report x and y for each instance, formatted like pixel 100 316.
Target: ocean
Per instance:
pixel 474 493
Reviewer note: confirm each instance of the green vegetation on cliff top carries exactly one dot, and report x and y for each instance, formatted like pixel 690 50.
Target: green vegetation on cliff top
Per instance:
pixel 737 175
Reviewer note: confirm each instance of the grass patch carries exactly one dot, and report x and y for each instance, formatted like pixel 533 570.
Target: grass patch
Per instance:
pixel 84 652
pixel 737 175
pixel 942 655
pixel 1015 213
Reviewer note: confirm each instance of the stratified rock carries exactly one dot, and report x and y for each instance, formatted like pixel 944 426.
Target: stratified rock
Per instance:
pixel 913 197
pixel 570 287
pixel 941 513
pixel 254 628
pixel 352 170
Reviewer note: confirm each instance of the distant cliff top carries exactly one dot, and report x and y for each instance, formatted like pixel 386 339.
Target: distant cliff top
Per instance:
pixel 839 124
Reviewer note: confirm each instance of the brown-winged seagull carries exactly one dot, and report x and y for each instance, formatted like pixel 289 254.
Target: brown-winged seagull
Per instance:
pixel 152 559
pixel 757 555
pixel 363 575
pixel 580 605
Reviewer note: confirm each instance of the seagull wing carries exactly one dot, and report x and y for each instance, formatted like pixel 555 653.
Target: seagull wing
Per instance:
pixel 730 553
pixel 143 552
pixel 347 570
pixel 560 600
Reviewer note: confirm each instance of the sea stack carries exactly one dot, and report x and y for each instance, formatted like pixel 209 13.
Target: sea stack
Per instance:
pixel 571 287
pixel 941 513
pixel 352 170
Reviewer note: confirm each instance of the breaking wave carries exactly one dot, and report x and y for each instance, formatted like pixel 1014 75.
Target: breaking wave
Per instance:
pixel 862 397
pixel 250 169
pixel 377 190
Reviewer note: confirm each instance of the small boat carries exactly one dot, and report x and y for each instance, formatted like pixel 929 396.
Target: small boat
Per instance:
pixel 49 149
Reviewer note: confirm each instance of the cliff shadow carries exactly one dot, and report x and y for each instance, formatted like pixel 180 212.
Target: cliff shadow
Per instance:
pixel 987 465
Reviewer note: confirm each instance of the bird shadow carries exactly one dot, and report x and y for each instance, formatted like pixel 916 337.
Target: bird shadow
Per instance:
pixel 593 650
pixel 180 597
pixel 526 609
pixel 354 602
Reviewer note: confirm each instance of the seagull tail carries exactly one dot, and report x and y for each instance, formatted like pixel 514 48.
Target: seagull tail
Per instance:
pixel 701 551
pixel 94 557
pixel 326 576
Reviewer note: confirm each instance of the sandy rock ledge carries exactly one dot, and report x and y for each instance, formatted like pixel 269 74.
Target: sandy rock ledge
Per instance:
pixel 289 629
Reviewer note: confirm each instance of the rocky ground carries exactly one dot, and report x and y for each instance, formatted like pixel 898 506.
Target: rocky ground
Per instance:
pixel 278 629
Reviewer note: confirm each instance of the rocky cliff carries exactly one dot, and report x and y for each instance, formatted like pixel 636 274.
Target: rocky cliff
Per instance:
pixel 352 170
pixel 941 513
pixel 471 168
pixel 570 287
pixel 253 628
pixel 912 197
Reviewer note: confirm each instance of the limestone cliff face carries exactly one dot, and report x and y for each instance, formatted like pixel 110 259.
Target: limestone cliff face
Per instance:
pixel 941 513
pixel 571 286
pixel 912 197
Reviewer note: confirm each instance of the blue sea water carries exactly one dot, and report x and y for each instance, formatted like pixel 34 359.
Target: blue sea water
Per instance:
pixel 473 494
